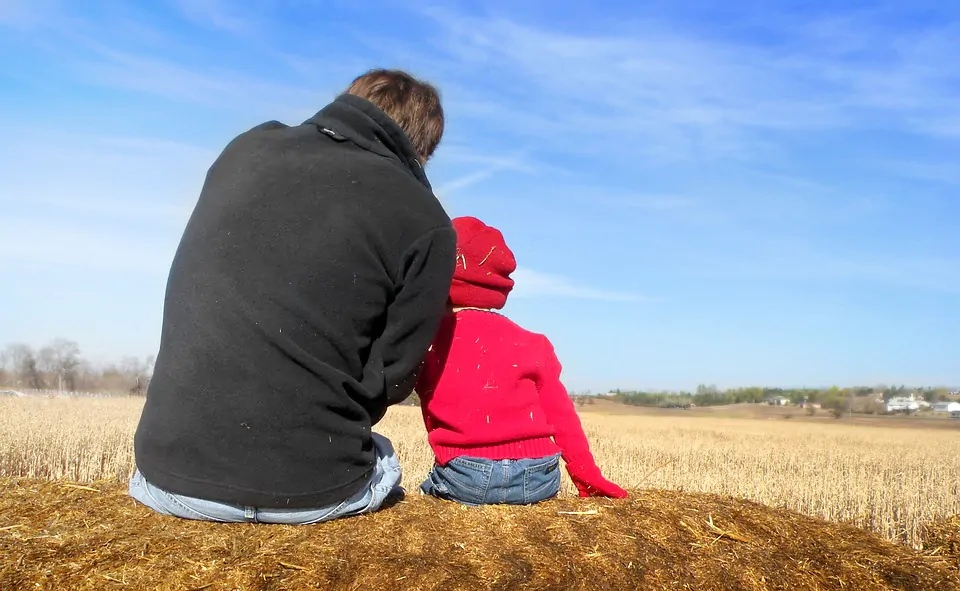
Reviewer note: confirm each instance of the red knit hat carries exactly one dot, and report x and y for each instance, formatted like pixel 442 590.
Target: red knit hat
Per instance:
pixel 484 263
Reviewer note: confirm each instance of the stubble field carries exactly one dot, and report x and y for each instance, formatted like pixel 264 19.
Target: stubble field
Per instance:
pixel 892 481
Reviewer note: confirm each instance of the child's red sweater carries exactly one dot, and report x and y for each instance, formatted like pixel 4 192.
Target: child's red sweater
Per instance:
pixel 491 389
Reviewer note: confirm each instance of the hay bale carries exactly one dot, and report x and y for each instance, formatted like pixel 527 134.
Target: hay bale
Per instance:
pixel 60 536
pixel 942 538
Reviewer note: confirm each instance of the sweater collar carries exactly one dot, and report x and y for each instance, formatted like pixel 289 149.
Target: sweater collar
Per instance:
pixel 369 127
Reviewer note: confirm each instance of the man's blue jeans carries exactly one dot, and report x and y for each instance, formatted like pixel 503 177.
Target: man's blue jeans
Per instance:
pixel 479 481
pixel 384 484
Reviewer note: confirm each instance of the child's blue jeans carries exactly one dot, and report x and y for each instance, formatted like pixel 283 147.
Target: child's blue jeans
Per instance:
pixel 479 481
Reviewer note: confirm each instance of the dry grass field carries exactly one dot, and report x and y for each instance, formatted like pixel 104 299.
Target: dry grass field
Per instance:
pixel 889 480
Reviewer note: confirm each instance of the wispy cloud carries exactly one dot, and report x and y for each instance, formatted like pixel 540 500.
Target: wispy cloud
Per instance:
pixel 926 273
pixel 935 171
pixel 23 12
pixel 116 211
pixel 492 167
pixel 31 240
pixel 125 51
pixel 216 14
pixel 673 93
pixel 535 284
pixel 208 86
pixel 156 175
pixel 660 203
pixel 466 180
pixel 519 160
pixel 96 203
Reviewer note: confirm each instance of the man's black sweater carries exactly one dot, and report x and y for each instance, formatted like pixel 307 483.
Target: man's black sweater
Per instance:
pixel 308 284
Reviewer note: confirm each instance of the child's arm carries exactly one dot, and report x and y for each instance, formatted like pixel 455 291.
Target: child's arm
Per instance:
pixel 568 432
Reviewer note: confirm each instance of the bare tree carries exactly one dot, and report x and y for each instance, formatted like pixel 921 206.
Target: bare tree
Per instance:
pixel 46 360
pixel 137 371
pixel 131 366
pixel 23 364
pixel 61 358
pixel 31 374
pixel 87 376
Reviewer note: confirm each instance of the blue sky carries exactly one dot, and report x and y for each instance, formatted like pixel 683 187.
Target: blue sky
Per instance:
pixel 747 194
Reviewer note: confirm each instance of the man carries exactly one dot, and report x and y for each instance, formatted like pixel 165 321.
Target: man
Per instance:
pixel 308 284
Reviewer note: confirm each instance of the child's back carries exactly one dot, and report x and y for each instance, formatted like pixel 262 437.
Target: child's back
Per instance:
pixel 486 382
pixel 497 415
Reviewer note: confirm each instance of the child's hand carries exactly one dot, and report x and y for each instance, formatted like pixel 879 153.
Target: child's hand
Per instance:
pixel 598 486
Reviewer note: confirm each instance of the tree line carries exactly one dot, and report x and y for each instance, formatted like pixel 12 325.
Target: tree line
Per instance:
pixel 833 397
pixel 59 365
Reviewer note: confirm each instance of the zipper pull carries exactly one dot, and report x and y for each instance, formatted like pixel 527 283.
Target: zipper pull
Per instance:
pixel 333 134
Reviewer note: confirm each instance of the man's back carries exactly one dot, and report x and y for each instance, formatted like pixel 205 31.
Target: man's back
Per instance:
pixel 269 376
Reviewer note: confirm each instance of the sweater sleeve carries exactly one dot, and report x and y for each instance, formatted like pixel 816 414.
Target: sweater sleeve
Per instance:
pixel 412 318
pixel 568 432
pixel 556 403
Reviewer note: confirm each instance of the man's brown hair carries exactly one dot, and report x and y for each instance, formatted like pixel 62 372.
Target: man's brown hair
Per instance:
pixel 413 104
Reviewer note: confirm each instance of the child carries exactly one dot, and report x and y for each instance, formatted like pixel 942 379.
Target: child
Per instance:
pixel 491 395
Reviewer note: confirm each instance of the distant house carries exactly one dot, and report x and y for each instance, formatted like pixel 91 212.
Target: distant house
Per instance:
pixel 778 401
pixel 948 407
pixel 13 393
pixel 903 404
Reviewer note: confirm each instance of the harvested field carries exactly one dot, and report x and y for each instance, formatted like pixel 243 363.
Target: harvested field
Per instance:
pixel 56 535
pixel 892 481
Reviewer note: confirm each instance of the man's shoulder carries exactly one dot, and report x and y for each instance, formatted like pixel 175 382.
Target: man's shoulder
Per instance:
pixel 271 125
pixel 257 138
pixel 371 182
pixel 261 130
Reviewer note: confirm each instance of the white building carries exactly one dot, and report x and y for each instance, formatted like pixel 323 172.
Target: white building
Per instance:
pixel 946 407
pixel 903 404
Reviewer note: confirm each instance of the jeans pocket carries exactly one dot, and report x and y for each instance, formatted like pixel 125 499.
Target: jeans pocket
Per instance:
pixel 465 480
pixel 541 480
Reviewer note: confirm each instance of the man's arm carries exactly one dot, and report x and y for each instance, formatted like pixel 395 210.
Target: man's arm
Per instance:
pixel 413 317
